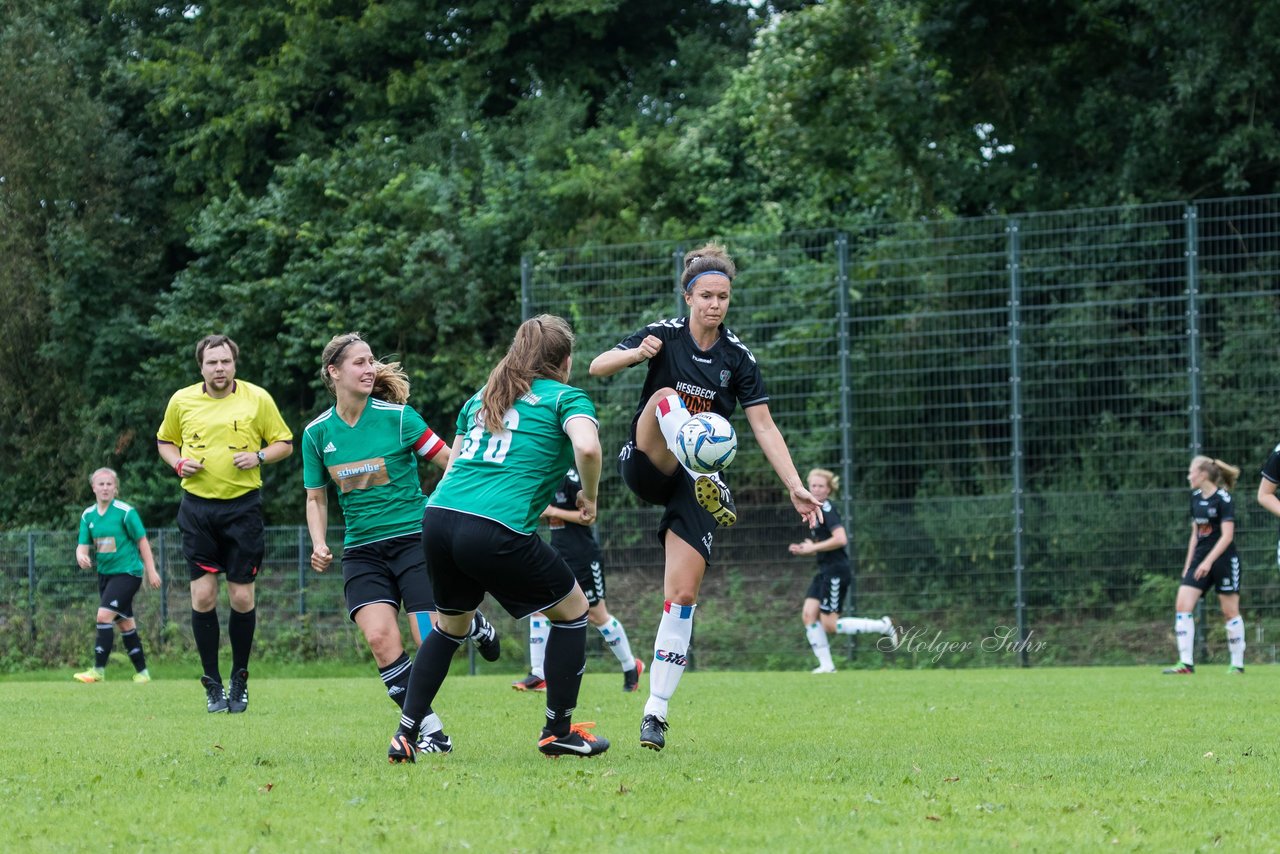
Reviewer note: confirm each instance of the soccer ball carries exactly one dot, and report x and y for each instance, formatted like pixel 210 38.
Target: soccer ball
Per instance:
pixel 706 443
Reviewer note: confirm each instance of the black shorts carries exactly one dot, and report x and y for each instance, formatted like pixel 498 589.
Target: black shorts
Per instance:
pixel 830 587
pixel 1225 574
pixel 116 592
pixel 468 556
pixel 590 574
pixel 584 558
pixel 682 514
pixel 223 535
pixel 392 571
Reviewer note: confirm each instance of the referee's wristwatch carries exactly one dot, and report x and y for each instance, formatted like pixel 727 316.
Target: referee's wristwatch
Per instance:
pixel 262 458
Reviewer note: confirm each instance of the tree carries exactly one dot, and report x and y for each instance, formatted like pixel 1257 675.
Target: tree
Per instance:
pixel 75 257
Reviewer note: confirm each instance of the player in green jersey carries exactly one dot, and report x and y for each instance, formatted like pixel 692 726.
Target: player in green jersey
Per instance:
pixel 516 438
pixel 367 445
pixel 115 534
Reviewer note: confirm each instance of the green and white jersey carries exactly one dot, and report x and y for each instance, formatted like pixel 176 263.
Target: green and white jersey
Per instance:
pixel 374 467
pixel 510 476
pixel 114 536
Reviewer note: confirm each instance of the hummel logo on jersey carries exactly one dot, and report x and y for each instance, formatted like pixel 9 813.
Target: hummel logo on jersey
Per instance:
pixel 702 360
pixel 329 448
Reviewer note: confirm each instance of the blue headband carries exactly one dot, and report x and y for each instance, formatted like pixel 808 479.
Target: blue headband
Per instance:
pixel 689 286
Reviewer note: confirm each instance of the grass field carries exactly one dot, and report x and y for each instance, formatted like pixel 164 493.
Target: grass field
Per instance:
pixel 1040 760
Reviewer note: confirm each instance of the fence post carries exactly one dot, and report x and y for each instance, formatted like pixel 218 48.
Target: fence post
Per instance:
pixel 1193 331
pixel 302 572
pixel 162 566
pixel 846 393
pixel 31 582
pixel 526 287
pixel 1015 433
pixel 1194 424
pixel 677 270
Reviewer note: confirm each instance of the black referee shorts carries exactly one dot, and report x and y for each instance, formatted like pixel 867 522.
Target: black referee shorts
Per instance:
pixel 223 535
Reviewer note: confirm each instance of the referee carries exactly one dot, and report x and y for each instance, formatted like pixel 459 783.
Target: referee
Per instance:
pixel 216 435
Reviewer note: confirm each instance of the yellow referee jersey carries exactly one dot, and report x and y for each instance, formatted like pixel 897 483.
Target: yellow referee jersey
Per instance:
pixel 214 430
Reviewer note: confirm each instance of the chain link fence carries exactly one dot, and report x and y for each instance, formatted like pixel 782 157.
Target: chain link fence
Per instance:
pixel 1011 402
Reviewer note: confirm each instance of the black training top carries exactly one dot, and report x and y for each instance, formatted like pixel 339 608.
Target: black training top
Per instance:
pixel 714 380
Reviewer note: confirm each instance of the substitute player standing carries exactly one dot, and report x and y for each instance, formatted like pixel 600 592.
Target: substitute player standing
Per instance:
pixel 216 436
pixel 695 364
pixel 115 533
pixel 1212 562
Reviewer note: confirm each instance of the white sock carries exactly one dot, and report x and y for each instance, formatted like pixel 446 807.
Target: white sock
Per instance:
pixel 1235 641
pixel 862 626
pixel 431 723
pixel 539 631
pixel 1184 629
pixel 615 637
pixel 672 415
pixel 817 636
pixel 670 650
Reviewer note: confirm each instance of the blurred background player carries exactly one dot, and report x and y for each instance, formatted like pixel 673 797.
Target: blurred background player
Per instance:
pixel 515 438
pixel 697 364
pixel 577 544
pixel 115 534
pixel 368 444
pixel 216 436
pixel 1267 488
pixel 1212 562
pixel 833 584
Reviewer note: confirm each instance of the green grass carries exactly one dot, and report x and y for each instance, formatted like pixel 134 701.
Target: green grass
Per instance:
pixel 1041 760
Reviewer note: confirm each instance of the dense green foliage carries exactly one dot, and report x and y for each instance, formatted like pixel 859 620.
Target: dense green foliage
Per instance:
pixel 282 172
pixel 1058 759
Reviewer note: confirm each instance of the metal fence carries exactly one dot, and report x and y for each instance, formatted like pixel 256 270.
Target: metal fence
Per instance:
pixel 1012 401
pixel 47 605
pixel 46 600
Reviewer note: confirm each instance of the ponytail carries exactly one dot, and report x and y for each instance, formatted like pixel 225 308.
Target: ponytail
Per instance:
pixel 540 346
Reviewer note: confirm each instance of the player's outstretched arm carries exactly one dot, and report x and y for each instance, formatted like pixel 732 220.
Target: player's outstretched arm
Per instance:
pixel 610 362
pixel 779 456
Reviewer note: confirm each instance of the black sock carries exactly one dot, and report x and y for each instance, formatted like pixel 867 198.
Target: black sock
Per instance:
pixel 133 644
pixel 396 677
pixel 102 645
pixel 565 663
pixel 430 667
pixel 240 629
pixel 204 625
